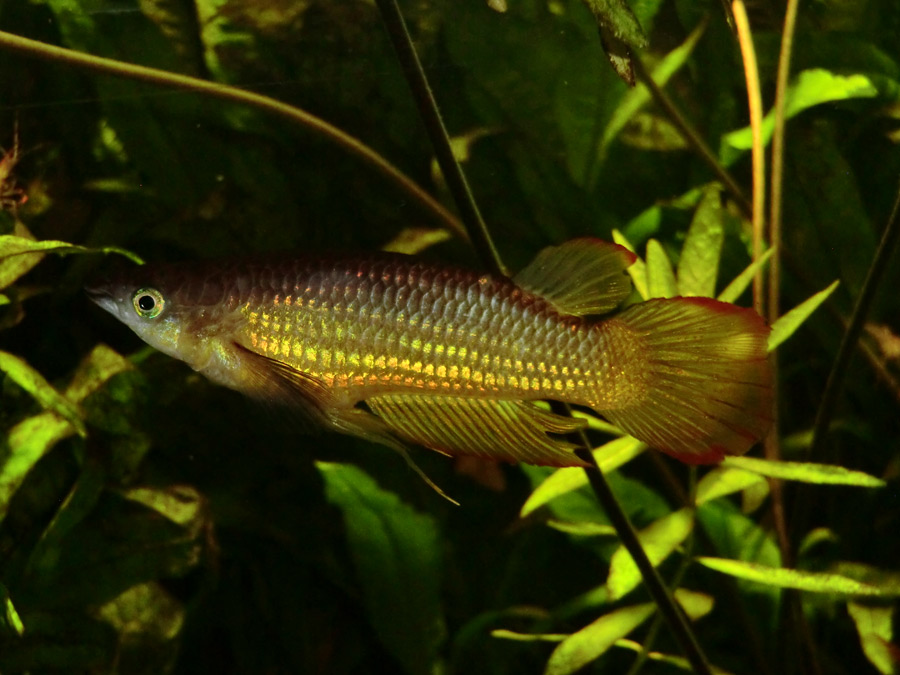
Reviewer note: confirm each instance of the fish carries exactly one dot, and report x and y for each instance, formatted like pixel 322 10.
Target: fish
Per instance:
pixel 401 351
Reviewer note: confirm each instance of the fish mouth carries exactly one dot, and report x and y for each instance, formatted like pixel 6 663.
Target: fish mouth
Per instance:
pixel 101 294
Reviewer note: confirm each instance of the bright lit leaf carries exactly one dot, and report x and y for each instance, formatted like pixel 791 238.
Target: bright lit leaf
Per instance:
pixel 34 383
pixel 609 456
pixel 659 540
pixel 413 240
pixel 694 603
pixel 181 504
pixel 397 555
pixel 787 324
pixel 503 634
pixel 809 88
pixel 660 276
pixel 12 246
pixel 637 270
pixel 588 644
pixel 815 582
pixel 669 659
pixel 804 472
pixel 743 280
pixel 698 266
pixel 10 622
pixel 874 623
pixel 723 480
pixel 583 529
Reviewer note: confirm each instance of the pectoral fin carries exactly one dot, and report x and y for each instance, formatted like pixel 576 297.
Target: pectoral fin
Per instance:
pixel 581 276
pixel 513 431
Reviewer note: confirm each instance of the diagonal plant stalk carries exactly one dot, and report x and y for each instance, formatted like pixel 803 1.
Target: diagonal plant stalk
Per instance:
pixel 155 76
pixel 480 236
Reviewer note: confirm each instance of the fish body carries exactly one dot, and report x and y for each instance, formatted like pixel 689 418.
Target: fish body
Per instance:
pixel 397 350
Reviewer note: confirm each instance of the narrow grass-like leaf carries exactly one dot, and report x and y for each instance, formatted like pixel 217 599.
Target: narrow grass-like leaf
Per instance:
pixel 660 276
pixel 34 383
pixel 609 456
pixel 810 88
pixel 743 280
pixel 11 245
pixel 658 539
pixel 637 270
pixel 588 644
pixel 10 622
pixel 722 481
pixel 874 623
pixel 396 553
pixel 584 529
pixel 698 267
pixel 804 472
pixel 503 634
pixel 669 659
pixel 787 324
pixel 815 582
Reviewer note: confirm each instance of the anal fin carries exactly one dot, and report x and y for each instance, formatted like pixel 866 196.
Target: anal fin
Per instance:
pixel 515 431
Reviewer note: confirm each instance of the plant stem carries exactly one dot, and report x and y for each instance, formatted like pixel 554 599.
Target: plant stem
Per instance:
pixel 225 92
pixel 481 239
pixel 437 132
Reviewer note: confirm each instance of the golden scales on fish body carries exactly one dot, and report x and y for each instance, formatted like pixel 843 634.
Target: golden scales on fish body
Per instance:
pixel 397 351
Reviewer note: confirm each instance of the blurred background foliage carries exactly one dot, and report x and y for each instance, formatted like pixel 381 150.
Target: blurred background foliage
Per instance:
pixel 153 523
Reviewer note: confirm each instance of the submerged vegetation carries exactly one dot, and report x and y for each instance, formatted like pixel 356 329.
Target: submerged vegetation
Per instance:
pixel 151 522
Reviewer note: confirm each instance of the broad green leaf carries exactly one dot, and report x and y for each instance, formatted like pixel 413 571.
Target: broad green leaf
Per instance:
pixel 809 88
pixel 787 324
pixel 637 270
pixel 660 276
pixel 11 246
pixel 13 267
pixel 659 540
pixel 740 283
pixel 639 96
pixel 609 456
pixel 723 480
pixel 588 644
pixel 34 383
pixel 147 617
pixel 677 661
pixel 804 472
pixel 181 504
pixel 814 582
pixel 698 266
pixel 874 623
pixel 396 551
pixel 616 17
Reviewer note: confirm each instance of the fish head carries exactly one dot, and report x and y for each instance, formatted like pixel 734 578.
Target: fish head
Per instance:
pixel 145 301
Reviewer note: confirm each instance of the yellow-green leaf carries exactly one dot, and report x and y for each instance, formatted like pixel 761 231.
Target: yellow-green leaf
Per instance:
pixel 12 245
pixel 698 266
pixel 658 540
pixel 34 383
pixel 804 472
pixel 874 623
pixel 637 270
pixel 609 456
pixel 660 276
pixel 677 661
pixel 815 582
pixel 787 324
pixel 740 283
pixel 724 480
pixel 585 646
pixel 694 603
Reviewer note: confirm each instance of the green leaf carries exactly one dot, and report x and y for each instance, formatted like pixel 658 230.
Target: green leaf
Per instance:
pixel 582 529
pixel 695 604
pixel 588 644
pixel 181 504
pixel 660 277
pixel 676 661
pixel 616 17
pixel 874 623
pixel 396 553
pixel 787 324
pixel 503 634
pixel 637 270
pixel 34 383
pixel 12 246
pixel 10 622
pixel 804 472
pixel 609 456
pixel 724 480
pixel 740 283
pixel 810 88
pixel 639 96
pixel 814 582
pixel 659 540
pixel 698 266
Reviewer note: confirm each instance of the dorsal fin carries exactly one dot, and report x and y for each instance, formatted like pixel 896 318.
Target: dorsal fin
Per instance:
pixel 581 276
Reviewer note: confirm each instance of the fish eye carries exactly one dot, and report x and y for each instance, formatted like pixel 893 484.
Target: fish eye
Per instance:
pixel 148 302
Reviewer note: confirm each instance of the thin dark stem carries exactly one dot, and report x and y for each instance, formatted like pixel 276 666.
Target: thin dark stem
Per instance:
pixel 224 92
pixel 481 239
pixel 437 132
pixel 857 319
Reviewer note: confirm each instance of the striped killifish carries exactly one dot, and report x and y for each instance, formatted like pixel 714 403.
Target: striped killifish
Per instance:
pixel 396 350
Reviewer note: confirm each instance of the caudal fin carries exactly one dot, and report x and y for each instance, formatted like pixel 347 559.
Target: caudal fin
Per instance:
pixel 708 383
